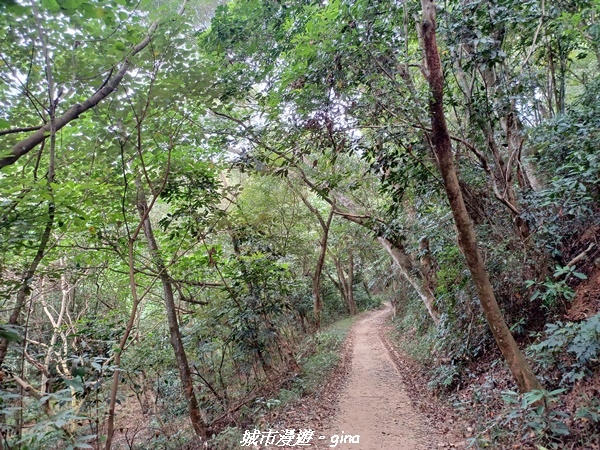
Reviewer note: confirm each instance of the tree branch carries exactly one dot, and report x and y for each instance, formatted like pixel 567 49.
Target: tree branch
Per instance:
pixel 19 130
pixel 29 143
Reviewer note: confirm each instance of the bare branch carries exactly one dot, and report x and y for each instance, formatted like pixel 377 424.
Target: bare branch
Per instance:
pixel 19 130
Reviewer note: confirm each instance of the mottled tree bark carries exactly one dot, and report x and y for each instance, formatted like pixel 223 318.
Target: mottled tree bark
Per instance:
pixel 428 265
pixel 520 369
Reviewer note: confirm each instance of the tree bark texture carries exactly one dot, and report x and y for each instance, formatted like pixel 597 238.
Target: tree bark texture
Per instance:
pixel 407 269
pixel 428 265
pixel 196 416
pixel 520 369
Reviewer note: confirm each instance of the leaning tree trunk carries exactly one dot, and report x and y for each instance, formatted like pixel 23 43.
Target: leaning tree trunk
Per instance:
pixel 407 269
pixel 196 416
pixel 350 284
pixel 316 278
pixel 520 369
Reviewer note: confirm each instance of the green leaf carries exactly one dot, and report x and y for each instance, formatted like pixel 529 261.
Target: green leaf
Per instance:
pixel 77 211
pixel 51 5
pixel 556 392
pixel 530 398
pixel 10 336
pixel 94 12
pixel 70 5
pixel 88 437
pixel 78 372
pixel 10 333
pixel 74 383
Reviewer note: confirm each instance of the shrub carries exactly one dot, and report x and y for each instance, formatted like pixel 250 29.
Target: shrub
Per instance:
pixel 580 341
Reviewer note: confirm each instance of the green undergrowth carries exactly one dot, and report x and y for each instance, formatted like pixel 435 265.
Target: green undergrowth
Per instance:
pixel 319 355
pixel 564 356
pixel 413 332
pixel 317 364
pixel 567 413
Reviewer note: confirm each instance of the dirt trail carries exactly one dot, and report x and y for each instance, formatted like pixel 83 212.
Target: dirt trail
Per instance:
pixel 373 403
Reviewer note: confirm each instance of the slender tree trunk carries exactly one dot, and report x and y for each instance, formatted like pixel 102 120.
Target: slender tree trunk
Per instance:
pixel 428 265
pixel 56 326
pixel 340 283
pixel 196 416
pixel 316 279
pixel 24 288
pixel 506 160
pixel 112 399
pixel 406 267
pixel 522 372
pixel 395 301
pixel 345 283
pixel 316 282
pixel 501 177
pixel 515 137
pixel 350 284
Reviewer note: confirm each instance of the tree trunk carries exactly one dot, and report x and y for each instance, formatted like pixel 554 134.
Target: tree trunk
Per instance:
pixel 406 267
pixel 286 351
pixel 345 283
pixel 428 265
pixel 24 288
pixel 350 284
pixel 196 416
pixel 520 369
pixel 112 399
pixel 316 279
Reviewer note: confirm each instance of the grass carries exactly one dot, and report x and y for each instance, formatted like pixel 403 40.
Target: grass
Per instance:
pixel 321 355
pixel 328 344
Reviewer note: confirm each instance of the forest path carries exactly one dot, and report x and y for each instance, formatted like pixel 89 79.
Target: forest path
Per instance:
pixel 373 403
